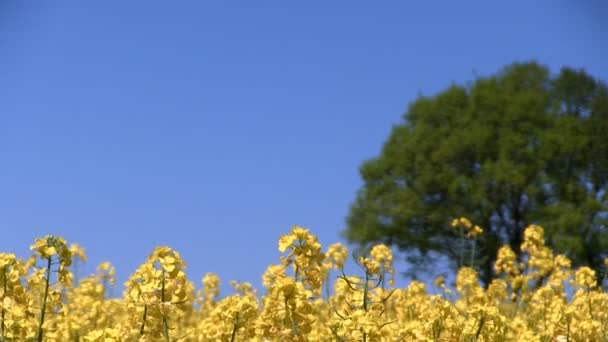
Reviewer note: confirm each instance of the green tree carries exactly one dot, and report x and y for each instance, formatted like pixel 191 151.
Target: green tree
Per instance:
pixel 520 147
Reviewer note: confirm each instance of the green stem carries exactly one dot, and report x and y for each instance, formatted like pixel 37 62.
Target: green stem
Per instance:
pixel 365 290
pixel 545 314
pixel 589 305
pixel 327 285
pixel 46 294
pixel 3 295
pixel 481 322
pixel 461 247
pixel 162 299
pixel 473 255
pixel 75 264
pixel 294 324
pixel 236 324
pixel 286 311
pixel 143 323
pixel 295 276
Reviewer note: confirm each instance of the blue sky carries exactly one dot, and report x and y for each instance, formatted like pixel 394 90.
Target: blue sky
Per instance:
pixel 214 126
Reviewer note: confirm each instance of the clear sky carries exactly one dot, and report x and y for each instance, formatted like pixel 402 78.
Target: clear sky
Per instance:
pixel 214 126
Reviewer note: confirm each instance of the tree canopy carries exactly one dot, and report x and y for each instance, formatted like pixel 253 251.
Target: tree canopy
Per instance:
pixel 520 147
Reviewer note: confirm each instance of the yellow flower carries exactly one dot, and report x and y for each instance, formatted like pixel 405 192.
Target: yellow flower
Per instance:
pixel 465 222
pixel 474 232
pixel 286 241
pixel 439 281
pixel 527 301
pixel 371 266
pixel 78 251
pixel 506 261
pixel 336 254
pixel 585 277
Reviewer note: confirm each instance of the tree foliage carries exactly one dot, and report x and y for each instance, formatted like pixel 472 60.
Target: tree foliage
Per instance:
pixel 520 147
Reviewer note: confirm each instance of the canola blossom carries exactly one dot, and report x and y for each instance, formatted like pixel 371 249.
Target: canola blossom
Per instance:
pixel 306 297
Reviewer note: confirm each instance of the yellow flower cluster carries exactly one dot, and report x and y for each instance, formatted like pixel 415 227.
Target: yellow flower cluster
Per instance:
pixel 535 297
pixel 464 223
pixel 157 295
